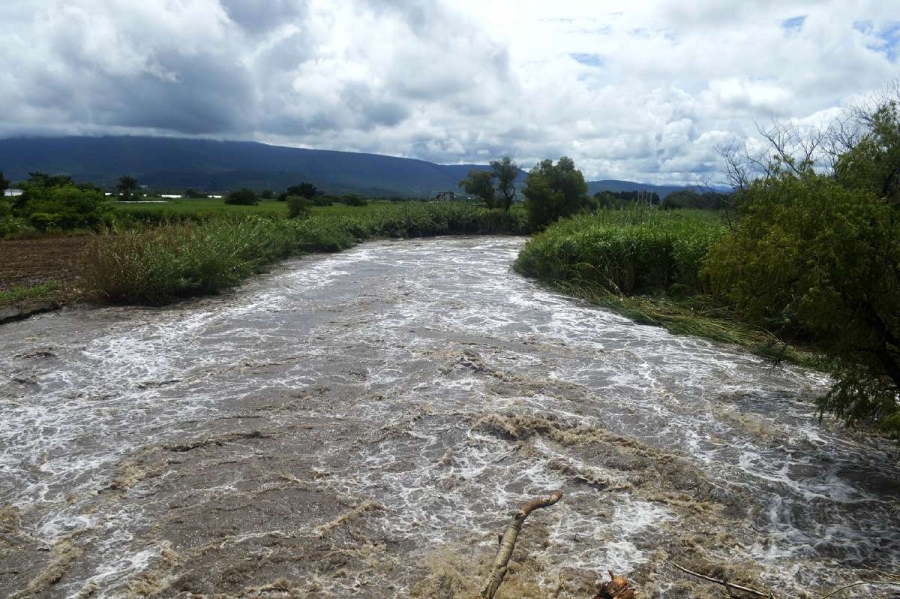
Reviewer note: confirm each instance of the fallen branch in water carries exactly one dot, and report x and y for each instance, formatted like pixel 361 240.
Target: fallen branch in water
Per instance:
pixel 508 543
pixel 862 582
pixel 726 584
pixel 894 581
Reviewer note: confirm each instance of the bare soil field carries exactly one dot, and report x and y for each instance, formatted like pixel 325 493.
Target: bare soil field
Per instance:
pixel 29 262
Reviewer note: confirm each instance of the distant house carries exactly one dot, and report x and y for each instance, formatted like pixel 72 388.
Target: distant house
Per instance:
pixel 445 196
pixel 12 193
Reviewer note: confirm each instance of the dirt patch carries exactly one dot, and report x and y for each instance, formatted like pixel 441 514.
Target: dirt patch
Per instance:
pixel 30 262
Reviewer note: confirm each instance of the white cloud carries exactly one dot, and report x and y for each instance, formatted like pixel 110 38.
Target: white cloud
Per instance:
pixel 630 90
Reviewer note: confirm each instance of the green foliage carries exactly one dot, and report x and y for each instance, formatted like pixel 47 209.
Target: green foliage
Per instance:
pixel 194 194
pixel 625 199
pixel 812 257
pixel 4 185
pixel 44 291
pixel 298 207
pixel 481 184
pixel 127 188
pixel 267 194
pixel 352 199
pixel 242 197
pixel 55 203
pixel 165 263
pixel 688 198
pixel 506 171
pixel 554 191
pixel 625 251
pixel 159 265
pixel 873 165
pixel 304 190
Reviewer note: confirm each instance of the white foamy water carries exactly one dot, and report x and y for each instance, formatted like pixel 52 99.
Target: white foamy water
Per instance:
pixel 426 378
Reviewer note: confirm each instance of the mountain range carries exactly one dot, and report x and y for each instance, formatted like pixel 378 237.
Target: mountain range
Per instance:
pixel 175 164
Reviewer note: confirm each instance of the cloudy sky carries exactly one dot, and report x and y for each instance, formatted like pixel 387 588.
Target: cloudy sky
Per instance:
pixel 634 89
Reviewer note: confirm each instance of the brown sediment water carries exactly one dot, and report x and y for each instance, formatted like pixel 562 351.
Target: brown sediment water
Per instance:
pixel 363 424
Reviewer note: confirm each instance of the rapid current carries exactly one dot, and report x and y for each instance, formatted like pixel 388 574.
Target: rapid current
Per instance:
pixel 363 425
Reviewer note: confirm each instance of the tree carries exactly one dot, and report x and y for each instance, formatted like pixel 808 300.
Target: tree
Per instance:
pixel 4 185
pixel 817 254
pixel 304 190
pixel 554 191
pixel 127 187
pixel 506 172
pixel 242 197
pixel 481 184
pixel 194 194
pixel 267 194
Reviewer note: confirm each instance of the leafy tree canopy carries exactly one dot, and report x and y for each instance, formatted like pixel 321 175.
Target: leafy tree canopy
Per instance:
pixel 481 184
pixel 553 191
pixel 505 171
pixel 242 197
pixel 127 187
pixel 818 255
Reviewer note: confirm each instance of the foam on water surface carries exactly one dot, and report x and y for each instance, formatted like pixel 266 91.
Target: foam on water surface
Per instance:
pixel 404 397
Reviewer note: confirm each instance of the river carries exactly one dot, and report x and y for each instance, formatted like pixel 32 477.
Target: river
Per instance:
pixel 362 425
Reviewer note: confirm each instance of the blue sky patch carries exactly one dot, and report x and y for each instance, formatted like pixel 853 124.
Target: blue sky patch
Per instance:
pixel 889 36
pixel 591 60
pixel 794 23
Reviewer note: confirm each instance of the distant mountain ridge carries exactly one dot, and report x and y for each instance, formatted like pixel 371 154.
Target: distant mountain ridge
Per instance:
pixel 175 164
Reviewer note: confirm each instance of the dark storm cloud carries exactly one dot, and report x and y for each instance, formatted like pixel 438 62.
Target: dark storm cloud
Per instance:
pixel 260 17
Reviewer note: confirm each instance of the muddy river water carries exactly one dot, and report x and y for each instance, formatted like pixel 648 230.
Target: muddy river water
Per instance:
pixel 363 424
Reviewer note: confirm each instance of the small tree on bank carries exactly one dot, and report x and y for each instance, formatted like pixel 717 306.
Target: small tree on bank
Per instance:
pixel 553 191
pixel 4 185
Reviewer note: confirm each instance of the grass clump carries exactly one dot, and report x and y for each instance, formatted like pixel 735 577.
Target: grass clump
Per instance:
pixel 45 291
pixel 624 251
pixel 159 265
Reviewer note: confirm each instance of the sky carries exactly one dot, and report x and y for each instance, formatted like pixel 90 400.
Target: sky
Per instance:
pixel 641 90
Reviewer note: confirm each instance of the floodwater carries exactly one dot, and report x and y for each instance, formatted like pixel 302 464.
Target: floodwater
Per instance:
pixel 363 424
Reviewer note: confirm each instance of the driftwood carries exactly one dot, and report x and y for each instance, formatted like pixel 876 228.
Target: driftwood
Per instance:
pixel 893 580
pixel 508 543
pixel 724 583
pixel 617 587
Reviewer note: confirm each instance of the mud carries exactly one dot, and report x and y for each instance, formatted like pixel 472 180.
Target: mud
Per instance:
pixel 363 424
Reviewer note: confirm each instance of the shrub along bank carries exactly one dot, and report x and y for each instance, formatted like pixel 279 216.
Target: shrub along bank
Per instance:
pixel 160 265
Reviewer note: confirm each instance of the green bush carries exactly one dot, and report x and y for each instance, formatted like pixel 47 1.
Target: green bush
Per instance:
pixel 63 207
pixel 298 207
pixel 242 197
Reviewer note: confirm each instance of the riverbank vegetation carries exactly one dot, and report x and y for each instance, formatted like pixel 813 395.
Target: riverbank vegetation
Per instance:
pixel 161 264
pixel 812 256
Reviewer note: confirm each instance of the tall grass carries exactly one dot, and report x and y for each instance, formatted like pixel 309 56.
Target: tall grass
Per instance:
pixel 624 252
pixel 159 265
